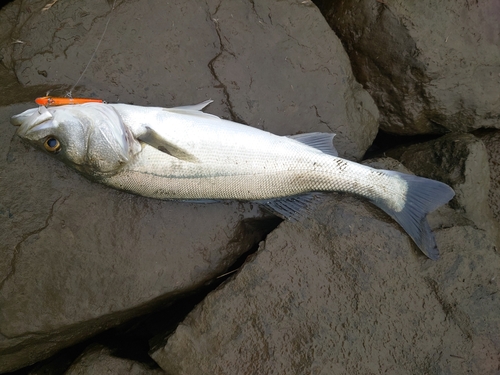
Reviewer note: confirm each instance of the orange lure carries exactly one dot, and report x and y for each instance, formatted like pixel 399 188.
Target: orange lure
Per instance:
pixel 52 100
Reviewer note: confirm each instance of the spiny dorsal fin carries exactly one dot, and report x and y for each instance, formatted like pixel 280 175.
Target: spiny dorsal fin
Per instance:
pixel 192 110
pixel 194 107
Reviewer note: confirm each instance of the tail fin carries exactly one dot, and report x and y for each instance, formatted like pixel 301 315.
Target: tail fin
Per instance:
pixel 423 196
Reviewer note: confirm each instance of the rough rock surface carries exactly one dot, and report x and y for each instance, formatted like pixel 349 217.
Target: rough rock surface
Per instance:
pixel 491 141
pixel 346 292
pixel 98 359
pixel 430 66
pixel 277 66
pixel 461 161
pixel 77 257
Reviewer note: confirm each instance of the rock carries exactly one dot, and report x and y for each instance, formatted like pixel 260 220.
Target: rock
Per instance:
pixel 461 161
pixel 430 66
pixel 78 258
pixel 346 292
pixel 491 140
pixel 275 66
pixel 98 359
pixel 342 292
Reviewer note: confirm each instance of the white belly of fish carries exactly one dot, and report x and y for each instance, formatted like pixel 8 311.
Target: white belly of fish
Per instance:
pixel 158 175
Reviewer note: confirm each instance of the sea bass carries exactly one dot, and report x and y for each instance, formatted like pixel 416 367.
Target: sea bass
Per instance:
pixel 184 153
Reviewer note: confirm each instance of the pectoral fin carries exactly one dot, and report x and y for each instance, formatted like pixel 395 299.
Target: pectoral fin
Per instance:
pixel 154 139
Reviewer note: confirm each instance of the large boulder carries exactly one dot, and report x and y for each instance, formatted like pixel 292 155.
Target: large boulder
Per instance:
pixel 77 257
pixel 347 292
pixel 276 66
pixel 431 66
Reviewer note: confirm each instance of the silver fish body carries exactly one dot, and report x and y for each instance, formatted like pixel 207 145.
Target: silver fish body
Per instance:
pixel 183 153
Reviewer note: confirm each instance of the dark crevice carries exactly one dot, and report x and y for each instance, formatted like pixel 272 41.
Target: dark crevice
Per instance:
pixel 5 2
pixel 259 228
pixel 482 132
pixel 385 141
pixel 135 338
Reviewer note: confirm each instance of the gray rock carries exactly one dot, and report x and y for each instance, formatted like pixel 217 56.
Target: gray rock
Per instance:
pixel 98 359
pixel 77 258
pixel 491 141
pixel 295 77
pixel 430 66
pixel 461 161
pixel 346 292
pixel 275 66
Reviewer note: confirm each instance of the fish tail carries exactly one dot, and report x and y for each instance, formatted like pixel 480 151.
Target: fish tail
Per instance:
pixel 422 196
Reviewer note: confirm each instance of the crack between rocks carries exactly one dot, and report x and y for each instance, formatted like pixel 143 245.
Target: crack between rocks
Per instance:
pixel 24 238
pixel 260 229
pixel 222 50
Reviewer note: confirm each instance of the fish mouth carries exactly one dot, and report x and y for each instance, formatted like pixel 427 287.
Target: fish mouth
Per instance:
pixel 17 120
pixel 30 119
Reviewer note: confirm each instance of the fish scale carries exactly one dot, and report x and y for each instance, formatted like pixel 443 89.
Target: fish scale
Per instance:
pixel 148 175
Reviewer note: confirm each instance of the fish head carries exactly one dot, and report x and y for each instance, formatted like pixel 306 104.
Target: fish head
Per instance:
pixel 92 140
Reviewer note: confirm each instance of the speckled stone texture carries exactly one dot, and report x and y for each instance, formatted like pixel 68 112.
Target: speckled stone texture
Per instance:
pixel 76 257
pixel 431 66
pixel 345 293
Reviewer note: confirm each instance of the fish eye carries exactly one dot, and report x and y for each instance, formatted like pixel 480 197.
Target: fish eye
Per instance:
pixel 52 144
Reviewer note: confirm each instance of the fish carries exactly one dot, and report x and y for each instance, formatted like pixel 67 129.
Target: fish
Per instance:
pixel 183 153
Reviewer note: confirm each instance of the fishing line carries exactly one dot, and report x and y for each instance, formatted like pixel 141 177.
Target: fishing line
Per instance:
pixel 69 94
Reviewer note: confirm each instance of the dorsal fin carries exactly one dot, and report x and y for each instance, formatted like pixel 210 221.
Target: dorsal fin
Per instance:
pixel 194 107
pixel 192 110
pixel 319 141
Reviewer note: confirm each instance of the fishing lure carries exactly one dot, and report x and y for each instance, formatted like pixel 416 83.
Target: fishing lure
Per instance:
pixel 53 101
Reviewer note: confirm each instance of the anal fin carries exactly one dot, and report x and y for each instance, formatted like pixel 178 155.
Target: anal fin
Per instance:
pixel 291 208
